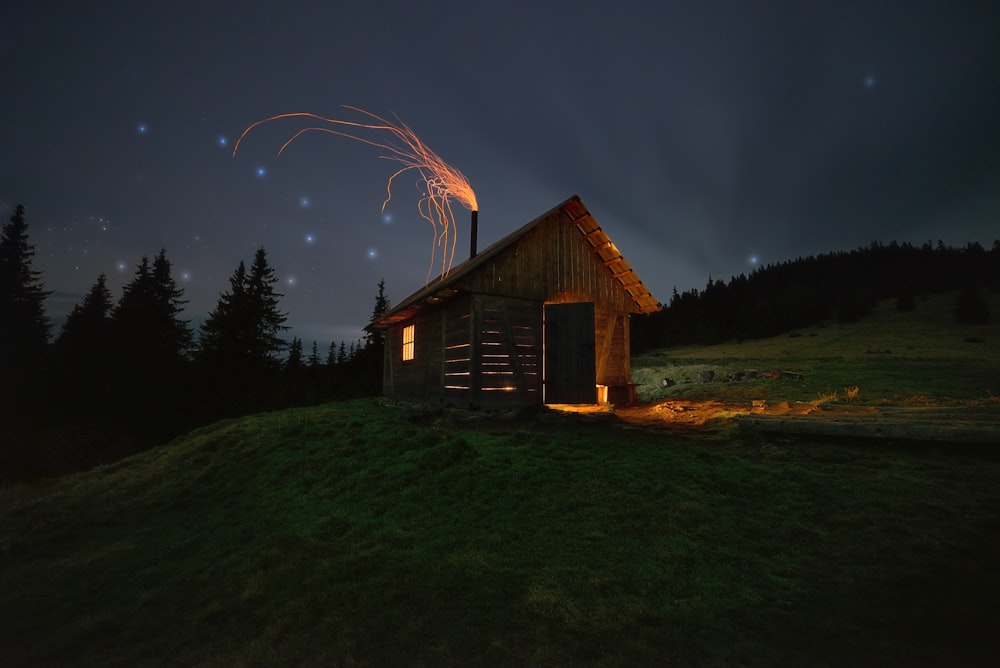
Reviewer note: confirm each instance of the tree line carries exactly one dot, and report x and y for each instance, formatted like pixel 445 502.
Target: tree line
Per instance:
pixel 121 376
pixel 844 286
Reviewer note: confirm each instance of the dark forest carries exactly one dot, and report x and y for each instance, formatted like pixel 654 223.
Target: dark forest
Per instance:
pixel 843 286
pixel 120 376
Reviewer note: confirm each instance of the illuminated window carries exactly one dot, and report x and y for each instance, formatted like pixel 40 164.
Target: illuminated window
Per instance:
pixel 408 343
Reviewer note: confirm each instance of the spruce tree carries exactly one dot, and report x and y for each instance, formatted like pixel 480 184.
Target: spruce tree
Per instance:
pixel 314 359
pixel 294 362
pixel 226 333
pixel 25 329
pixel 374 336
pixel 24 332
pixel 244 326
pixel 148 329
pixel 269 320
pixel 87 330
pixel 174 335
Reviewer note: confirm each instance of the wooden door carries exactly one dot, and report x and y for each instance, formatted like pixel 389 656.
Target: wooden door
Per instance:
pixel 570 367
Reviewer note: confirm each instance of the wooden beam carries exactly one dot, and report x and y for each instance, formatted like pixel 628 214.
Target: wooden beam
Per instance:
pixel 609 335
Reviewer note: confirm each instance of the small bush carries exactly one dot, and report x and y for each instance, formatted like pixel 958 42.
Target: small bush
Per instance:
pixel 905 302
pixel 971 308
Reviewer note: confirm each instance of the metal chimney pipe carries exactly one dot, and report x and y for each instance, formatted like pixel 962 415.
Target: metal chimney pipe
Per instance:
pixel 473 234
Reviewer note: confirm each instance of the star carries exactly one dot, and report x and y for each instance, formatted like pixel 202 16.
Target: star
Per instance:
pixel 222 141
pixel 304 202
pixel 870 81
pixel 142 128
pixel 372 253
pixel 261 172
pixel 310 239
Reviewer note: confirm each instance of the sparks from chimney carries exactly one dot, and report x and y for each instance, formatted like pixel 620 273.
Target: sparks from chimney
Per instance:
pixel 442 181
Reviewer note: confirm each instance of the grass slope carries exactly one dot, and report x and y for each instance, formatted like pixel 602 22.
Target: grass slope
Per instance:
pixel 362 534
pixel 891 357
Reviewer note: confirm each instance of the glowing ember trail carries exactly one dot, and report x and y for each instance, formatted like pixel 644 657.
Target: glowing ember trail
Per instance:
pixel 442 181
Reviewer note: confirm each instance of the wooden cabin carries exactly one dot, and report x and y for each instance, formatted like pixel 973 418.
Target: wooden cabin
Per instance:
pixel 541 316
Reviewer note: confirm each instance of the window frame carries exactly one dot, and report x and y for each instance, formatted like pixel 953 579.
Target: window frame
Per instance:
pixel 408 343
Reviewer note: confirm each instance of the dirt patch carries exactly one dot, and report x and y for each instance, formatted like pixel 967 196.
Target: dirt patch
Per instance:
pixel 957 424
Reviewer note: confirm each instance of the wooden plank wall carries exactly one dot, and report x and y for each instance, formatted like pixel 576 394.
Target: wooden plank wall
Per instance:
pixel 510 351
pixel 554 263
pixel 423 378
pixel 491 352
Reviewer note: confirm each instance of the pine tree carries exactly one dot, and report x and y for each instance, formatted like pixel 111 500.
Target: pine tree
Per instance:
pixel 175 336
pixel 294 361
pixel 151 345
pixel 24 333
pixel 374 336
pixel 226 333
pixel 314 357
pixel 25 329
pixel 87 330
pixel 269 320
pixel 244 326
pixel 331 354
pixel 145 318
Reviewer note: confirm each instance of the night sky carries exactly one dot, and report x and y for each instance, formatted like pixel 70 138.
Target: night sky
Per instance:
pixel 705 137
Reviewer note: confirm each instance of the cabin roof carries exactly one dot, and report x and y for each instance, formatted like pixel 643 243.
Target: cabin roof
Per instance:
pixel 442 287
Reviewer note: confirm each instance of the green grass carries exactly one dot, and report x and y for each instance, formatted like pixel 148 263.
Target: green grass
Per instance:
pixel 891 357
pixel 362 534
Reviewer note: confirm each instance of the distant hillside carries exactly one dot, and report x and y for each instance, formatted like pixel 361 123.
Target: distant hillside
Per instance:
pixel 797 293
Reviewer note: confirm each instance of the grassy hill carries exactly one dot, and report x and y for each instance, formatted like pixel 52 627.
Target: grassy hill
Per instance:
pixel 359 533
pixel 890 357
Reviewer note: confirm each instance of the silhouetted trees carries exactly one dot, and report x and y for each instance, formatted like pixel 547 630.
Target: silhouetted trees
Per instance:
pixel 294 362
pixel 87 330
pixel 148 330
pixel 240 344
pixel 25 329
pixel 24 333
pixel 243 329
pixel 120 376
pixel 798 293
pixel 369 357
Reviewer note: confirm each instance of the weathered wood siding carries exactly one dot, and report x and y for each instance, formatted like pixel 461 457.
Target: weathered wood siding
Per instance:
pixel 509 352
pixel 471 351
pixel 421 378
pixel 551 263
